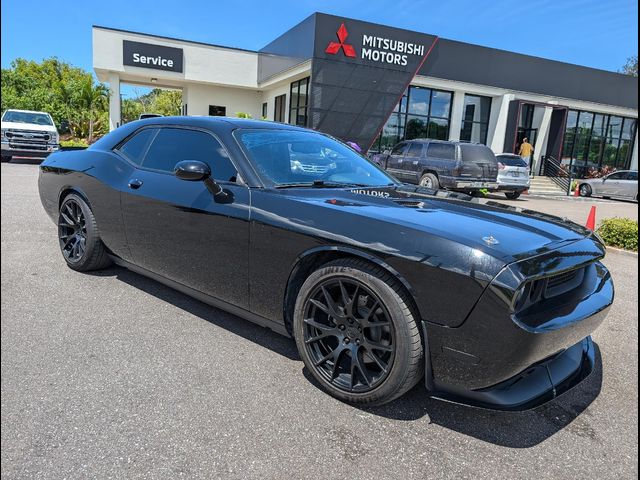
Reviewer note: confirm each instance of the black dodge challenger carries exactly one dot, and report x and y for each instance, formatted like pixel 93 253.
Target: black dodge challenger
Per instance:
pixel 381 284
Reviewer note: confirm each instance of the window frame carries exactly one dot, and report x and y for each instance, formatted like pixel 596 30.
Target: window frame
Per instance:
pixel 473 122
pixel 298 107
pixel 283 108
pixel 117 152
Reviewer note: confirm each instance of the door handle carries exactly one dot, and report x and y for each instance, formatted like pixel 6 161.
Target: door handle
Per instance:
pixel 135 184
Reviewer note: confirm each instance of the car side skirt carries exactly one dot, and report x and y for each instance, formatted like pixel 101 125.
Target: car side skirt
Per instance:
pixel 204 298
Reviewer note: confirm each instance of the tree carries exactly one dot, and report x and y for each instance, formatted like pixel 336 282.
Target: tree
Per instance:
pixel 92 99
pixel 631 67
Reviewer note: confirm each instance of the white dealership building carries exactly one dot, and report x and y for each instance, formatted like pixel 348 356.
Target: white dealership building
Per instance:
pixel 377 85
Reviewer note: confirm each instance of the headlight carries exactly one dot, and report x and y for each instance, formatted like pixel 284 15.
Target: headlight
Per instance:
pixel 4 133
pixel 54 137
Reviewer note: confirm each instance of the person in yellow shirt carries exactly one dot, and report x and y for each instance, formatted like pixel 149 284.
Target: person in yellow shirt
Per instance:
pixel 526 149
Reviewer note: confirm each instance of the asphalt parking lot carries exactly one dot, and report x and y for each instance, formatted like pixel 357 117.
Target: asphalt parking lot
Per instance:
pixel 112 375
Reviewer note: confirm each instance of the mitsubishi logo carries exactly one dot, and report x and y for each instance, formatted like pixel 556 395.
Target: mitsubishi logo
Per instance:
pixel 334 47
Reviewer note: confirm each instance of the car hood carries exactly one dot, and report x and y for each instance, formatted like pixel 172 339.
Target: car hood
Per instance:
pixel 504 232
pixel 29 126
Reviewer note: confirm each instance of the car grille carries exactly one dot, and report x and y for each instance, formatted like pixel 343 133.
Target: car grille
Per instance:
pixel 33 140
pixel 537 291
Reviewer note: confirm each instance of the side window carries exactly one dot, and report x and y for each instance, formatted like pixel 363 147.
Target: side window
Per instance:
pixel 172 145
pixel 617 176
pixel 399 149
pixel 415 150
pixel 442 150
pixel 633 176
pixel 136 147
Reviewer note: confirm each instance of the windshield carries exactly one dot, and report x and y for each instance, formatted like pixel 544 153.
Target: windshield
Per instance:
pixel 291 157
pixel 27 117
pixel 477 153
pixel 511 160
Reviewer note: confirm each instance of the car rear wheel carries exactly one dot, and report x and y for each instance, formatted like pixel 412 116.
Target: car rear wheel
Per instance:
pixel 79 238
pixel 585 190
pixel 357 333
pixel 512 195
pixel 429 180
pixel 5 159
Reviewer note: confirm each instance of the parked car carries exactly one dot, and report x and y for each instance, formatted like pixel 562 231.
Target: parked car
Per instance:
pixel 513 175
pixel 26 133
pixel 382 284
pixel 620 184
pixel 439 164
pixel 149 115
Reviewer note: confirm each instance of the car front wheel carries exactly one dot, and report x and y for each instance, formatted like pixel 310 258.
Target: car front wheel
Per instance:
pixel 585 190
pixel 357 333
pixel 79 238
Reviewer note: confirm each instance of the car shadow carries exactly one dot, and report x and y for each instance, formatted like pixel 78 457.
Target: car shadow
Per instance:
pixel 509 429
pixel 243 328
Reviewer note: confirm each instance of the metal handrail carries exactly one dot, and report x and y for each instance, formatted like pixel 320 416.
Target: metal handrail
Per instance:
pixel 555 171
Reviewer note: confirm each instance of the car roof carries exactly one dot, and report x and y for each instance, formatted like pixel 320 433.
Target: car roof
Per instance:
pixel 24 111
pixel 205 120
pixel 447 142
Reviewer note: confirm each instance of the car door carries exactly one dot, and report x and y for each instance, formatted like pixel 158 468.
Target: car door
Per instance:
pixel 176 228
pixel 396 159
pixel 612 184
pixel 629 186
pixel 412 167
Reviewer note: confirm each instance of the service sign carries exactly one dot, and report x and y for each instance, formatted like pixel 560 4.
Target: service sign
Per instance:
pixel 156 57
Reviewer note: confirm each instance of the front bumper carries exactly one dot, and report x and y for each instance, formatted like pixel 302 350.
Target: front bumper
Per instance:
pixel 10 149
pixel 515 361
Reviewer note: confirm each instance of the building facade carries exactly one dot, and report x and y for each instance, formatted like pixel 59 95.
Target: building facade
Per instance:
pixel 377 85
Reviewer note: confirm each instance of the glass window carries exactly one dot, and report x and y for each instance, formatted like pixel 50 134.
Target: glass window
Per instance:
pixel 298 102
pixel 265 110
pixel 442 150
pixel 633 176
pixel 617 176
pixel 217 111
pixel 300 158
pixel 278 114
pixel 475 119
pixel 440 104
pixel 419 100
pixel 511 160
pixel 477 153
pixel 415 150
pixel 416 127
pixel 136 147
pixel 399 149
pixel 438 129
pixel 173 145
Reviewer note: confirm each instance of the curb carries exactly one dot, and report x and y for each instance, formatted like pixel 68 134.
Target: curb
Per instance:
pixel 620 251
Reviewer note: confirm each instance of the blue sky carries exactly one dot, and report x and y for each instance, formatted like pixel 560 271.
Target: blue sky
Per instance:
pixel 600 34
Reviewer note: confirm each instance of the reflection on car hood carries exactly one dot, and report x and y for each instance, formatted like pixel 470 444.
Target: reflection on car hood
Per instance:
pixel 504 232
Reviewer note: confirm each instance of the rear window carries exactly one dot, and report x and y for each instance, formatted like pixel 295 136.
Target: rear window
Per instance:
pixel 477 153
pixel 442 150
pixel 511 161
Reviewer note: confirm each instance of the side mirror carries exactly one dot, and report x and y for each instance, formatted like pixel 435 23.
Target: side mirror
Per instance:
pixel 192 171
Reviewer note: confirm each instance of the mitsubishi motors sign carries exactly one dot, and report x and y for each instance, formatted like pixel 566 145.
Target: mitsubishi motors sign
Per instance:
pixel 372 45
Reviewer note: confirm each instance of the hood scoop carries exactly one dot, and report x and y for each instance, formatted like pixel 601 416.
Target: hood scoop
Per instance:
pixel 409 203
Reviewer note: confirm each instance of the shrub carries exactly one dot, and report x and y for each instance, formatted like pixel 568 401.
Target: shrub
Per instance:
pixel 243 115
pixel 73 143
pixel 620 232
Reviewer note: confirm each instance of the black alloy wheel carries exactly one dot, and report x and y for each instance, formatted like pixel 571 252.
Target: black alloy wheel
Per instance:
pixel 348 335
pixel 78 235
pixel 356 329
pixel 72 231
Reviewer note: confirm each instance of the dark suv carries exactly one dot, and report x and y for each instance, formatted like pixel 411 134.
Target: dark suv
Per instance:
pixel 440 164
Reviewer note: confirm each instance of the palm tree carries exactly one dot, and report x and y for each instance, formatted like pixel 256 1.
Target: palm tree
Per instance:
pixel 92 98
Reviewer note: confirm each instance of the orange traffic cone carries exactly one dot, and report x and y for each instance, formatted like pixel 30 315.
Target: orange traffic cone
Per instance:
pixel 576 192
pixel 591 219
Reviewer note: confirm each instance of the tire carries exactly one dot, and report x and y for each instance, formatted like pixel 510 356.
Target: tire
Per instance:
pixel 512 195
pixel 429 180
pixel 5 159
pixel 585 190
pixel 380 328
pixel 79 237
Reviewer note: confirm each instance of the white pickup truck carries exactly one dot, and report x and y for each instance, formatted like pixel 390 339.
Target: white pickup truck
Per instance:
pixel 28 134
